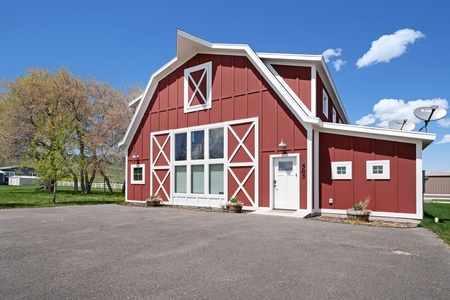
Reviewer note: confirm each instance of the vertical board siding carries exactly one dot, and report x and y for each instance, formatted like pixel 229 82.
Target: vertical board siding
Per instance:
pixel 298 79
pixel 238 92
pixel 398 194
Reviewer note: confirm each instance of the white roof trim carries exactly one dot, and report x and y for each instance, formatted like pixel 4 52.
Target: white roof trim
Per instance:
pixel 379 133
pixel 133 103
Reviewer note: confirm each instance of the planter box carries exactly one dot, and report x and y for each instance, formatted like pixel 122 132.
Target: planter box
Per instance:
pixel 362 215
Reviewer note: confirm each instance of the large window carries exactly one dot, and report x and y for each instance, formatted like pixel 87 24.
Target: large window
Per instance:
pixel 199 162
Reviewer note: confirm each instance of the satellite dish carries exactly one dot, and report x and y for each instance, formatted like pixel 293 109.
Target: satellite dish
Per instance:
pixel 429 113
pixel 401 125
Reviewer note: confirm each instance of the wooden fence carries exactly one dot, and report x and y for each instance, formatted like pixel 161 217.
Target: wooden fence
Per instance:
pixel 95 185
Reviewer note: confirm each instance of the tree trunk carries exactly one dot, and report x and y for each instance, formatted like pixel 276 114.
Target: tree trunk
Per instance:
pixel 54 192
pixel 108 184
pixel 82 180
pixel 75 182
pixel 123 187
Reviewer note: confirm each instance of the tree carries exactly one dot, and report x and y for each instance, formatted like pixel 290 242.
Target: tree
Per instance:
pixel 63 122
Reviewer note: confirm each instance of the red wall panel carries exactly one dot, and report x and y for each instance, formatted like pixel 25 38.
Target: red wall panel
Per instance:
pixel 299 80
pixel 398 194
pixel 238 92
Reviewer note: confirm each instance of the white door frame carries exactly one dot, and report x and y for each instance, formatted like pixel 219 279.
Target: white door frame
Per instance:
pixel 271 176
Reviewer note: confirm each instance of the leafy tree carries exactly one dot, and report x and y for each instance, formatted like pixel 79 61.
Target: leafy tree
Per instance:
pixel 64 124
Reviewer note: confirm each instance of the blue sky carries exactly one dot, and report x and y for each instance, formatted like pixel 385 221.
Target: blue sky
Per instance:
pixel 123 42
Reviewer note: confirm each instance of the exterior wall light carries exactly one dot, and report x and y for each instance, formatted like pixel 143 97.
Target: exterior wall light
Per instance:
pixel 282 144
pixel 135 156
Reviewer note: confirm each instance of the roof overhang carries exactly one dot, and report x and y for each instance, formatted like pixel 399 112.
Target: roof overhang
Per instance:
pixel 379 133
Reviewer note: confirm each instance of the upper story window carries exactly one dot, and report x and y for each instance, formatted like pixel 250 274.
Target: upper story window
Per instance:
pixel 378 169
pixel 325 103
pixel 197 87
pixel 333 112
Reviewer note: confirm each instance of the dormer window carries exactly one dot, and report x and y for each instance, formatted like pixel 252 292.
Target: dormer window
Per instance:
pixel 197 87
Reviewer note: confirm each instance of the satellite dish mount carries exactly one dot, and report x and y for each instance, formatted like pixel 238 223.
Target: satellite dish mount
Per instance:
pixel 430 113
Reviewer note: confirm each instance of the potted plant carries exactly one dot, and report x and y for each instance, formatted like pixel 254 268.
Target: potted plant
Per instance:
pixel 154 200
pixel 234 205
pixel 359 210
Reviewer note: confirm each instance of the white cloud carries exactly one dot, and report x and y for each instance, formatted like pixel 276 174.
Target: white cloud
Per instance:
pixel 389 46
pixel 444 123
pixel 327 54
pixel 397 109
pixel 338 64
pixel 366 120
pixel 445 139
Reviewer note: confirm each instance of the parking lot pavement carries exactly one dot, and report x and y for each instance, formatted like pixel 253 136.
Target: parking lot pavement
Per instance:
pixel 125 252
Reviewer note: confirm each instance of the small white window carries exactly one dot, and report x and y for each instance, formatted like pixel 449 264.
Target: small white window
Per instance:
pixel 197 87
pixel 341 170
pixel 334 115
pixel 138 174
pixel 378 169
pixel 325 103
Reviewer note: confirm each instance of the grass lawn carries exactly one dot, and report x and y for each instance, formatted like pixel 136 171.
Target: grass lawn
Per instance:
pixel 441 211
pixel 32 196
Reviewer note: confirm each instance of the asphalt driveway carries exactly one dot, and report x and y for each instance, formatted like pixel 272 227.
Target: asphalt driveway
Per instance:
pixel 123 252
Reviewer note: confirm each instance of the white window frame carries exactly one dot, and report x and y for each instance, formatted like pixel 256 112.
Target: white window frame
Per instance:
pixel 207 67
pixel 386 169
pixel 325 103
pixel 134 166
pixel 334 172
pixel 333 112
pixel 206 161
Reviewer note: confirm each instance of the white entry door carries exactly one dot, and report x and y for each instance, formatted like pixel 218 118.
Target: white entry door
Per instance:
pixel 285 183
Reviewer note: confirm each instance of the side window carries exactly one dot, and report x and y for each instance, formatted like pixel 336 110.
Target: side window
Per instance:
pixel 341 170
pixel 378 169
pixel 138 174
pixel 325 103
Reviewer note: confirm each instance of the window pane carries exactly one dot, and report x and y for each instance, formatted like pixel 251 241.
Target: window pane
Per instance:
pixel 285 166
pixel 341 170
pixel 137 174
pixel 377 169
pixel 180 146
pixel 180 179
pixel 216 143
pixel 197 144
pixel 198 179
pixel 216 179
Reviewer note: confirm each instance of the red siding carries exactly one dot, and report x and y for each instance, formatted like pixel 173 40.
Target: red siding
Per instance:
pixel 298 79
pixel 238 92
pixel 398 194
pixel 320 87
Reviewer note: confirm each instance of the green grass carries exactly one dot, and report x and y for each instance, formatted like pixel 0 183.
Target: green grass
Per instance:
pixel 441 211
pixel 32 196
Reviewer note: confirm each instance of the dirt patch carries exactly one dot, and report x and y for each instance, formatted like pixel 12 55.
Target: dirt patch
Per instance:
pixel 379 223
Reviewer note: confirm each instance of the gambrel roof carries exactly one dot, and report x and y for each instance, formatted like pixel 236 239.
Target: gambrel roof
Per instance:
pixel 188 46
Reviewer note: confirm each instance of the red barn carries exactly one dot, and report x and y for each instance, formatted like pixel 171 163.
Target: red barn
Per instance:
pixel 221 121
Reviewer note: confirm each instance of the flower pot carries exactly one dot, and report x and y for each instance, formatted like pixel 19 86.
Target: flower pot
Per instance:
pixel 153 202
pixel 236 207
pixel 362 215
